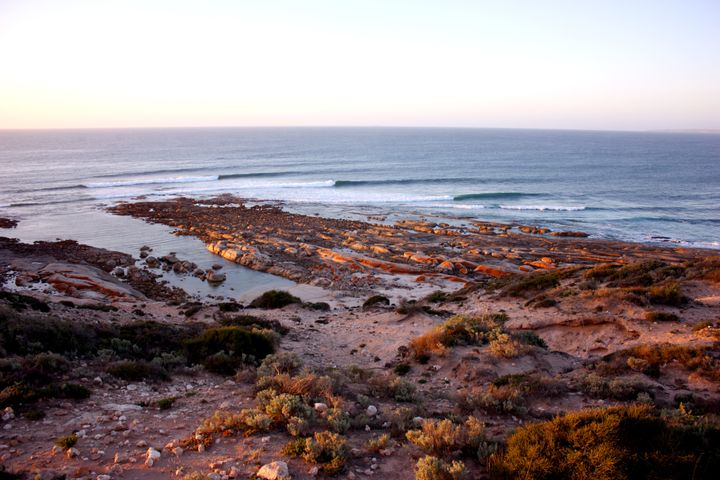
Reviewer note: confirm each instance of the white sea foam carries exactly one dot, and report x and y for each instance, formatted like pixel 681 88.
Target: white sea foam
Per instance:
pixel 559 208
pixel 152 181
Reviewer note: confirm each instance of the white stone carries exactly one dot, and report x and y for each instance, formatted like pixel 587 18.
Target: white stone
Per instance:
pixel 274 471
pixel 151 457
pixel 372 410
pixel 321 407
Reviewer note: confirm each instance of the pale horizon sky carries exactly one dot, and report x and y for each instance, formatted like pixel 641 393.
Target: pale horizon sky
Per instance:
pixel 611 65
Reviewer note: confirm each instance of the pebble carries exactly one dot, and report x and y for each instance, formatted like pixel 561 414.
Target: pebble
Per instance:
pixel 372 410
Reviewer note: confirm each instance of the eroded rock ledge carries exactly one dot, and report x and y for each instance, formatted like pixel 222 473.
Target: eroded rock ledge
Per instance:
pixel 346 254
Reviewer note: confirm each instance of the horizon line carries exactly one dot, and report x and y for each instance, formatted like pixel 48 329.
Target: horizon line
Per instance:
pixel 709 131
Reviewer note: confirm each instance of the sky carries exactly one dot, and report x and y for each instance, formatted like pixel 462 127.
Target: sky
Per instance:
pixel 576 64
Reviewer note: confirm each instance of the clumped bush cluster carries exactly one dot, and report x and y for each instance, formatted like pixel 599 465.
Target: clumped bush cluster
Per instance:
pixel 223 350
pixel 508 394
pixel 597 386
pixel 523 285
pixel 285 398
pixel 473 330
pixel 273 299
pixel 612 443
pixel 650 359
pixel 327 450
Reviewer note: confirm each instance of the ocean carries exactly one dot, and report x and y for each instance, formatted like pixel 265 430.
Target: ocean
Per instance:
pixel 646 187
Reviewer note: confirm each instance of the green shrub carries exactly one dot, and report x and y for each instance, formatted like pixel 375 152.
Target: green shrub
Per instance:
pixel 132 370
pixel 615 388
pixel 222 363
pixel 318 306
pixel 402 369
pixel 661 317
pixel 390 386
pixel 374 445
pixel 458 330
pixel 166 403
pixel 376 300
pixel 667 294
pixel 505 346
pixel 438 296
pixel 433 468
pixel 66 442
pixel 441 437
pixel 238 342
pixel 338 420
pixel 281 362
pixel 74 391
pixel 252 321
pixel 524 284
pixel 228 307
pixel 606 444
pixel 274 299
pixel 326 449
pixel 530 338
pixel 16 395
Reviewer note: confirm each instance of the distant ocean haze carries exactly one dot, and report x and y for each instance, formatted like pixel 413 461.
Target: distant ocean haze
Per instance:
pixel 648 187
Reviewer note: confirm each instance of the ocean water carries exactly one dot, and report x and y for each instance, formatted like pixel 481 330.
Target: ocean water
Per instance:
pixel 647 187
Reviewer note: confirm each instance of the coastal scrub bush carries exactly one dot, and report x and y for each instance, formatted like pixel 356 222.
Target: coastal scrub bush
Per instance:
pixel 66 442
pixel 251 321
pixel 524 284
pixel 391 386
pixel 700 359
pixel 281 362
pixel 504 346
pixel 656 316
pixel 530 338
pixel 74 391
pixel 458 330
pixel 504 399
pixel 375 444
pixel 310 386
pixel 326 449
pixel 136 370
pixel 166 403
pixel 376 300
pixel 238 342
pixel 438 296
pixel 613 443
pixel 441 437
pixel 667 294
pixel 616 389
pixel 273 299
pixel 433 468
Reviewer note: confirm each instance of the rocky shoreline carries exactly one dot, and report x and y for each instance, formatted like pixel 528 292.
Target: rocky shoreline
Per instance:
pixel 361 256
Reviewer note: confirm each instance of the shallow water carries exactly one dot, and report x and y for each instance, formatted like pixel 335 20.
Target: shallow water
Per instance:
pixel 126 234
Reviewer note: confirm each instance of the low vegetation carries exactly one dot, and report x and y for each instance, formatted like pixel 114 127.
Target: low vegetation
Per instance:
pixel 613 443
pixel 327 450
pixel 474 330
pixel 273 299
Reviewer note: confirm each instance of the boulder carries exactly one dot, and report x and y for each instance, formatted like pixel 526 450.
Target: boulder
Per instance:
pixel 151 456
pixel 215 277
pixel 277 470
